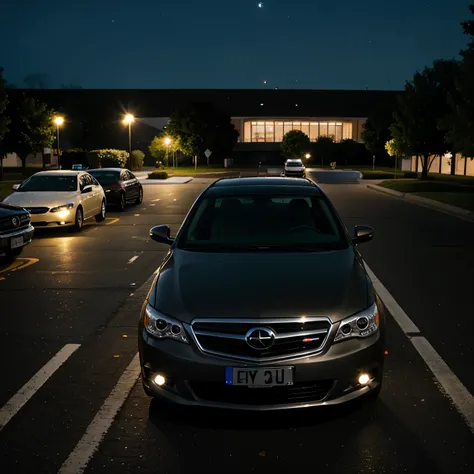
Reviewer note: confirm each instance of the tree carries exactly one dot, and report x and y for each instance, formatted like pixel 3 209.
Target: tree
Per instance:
pixel 31 128
pixel 420 111
pixel 349 150
pixel 201 126
pixel 323 149
pixel 160 151
pixel 459 124
pixel 4 119
pixel 396 149
pixel 295 144
pixel 376 130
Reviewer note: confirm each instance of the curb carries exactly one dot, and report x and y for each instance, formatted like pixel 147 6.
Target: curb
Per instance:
pixel 425 202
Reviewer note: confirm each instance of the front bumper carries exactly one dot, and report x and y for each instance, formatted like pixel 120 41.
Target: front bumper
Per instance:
pixel 54 219
pixel 6 239
pixel 198 379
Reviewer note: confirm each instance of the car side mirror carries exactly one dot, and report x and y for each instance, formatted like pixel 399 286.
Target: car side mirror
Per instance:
pixel 161 234
pixel 87 189
pixel 16 187
pixel 362 233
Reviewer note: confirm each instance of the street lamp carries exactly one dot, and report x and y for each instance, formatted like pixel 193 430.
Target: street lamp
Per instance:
pixel 167 142
pixel 58 121
pixel 307 156
pixel 128 120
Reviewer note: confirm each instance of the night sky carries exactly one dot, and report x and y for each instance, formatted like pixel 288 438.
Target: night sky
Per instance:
pixel 308 44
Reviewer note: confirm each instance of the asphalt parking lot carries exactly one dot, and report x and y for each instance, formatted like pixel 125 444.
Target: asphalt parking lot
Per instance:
pixel 69 308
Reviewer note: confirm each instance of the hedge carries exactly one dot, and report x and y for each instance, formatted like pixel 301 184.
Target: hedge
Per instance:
pixel 158 175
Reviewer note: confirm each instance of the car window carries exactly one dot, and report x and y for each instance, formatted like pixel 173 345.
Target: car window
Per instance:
pixel 83 181
pixel 127 175
pixel 94 181
pixel 49 182
pixel 106 177
pixel 264 221
pixel 132 176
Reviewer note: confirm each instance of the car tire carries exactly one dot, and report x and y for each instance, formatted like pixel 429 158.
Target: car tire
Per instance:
pixel 139 199
pixel 122 203
pixel 78 220
pixel 101 216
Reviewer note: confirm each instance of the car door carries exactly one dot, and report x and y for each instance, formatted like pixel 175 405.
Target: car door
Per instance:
pixel 135 185
pixel 98 192
pixel 86 197
pixel 128 184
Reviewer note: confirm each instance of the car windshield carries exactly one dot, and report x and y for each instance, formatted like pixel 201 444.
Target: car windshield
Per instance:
pixel 294 164
pixel 106 177
pixel 50 183
pixel 263 222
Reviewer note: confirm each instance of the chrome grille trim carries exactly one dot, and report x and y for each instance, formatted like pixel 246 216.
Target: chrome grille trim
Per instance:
pixel 261 322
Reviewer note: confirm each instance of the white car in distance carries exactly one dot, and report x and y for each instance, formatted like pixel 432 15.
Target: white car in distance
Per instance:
pixel 60 199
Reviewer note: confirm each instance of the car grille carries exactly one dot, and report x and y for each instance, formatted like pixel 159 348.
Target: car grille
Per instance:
pixel 300 392
pixel 6 224
pixel 293 337
pixel 37 210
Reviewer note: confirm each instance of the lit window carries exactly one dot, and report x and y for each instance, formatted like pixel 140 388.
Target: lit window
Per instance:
pixel 338 132
pixel 305 128
pixel 287 127
pixel 347 130
pixel 269 132
pixel 278 131
pixel 247 132
pixel 258 132
pixel 296 125
pixel 332 129
pixel 323 128
pixel 314 131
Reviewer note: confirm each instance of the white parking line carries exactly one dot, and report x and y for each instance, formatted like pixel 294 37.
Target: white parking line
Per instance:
pixel 13 406
pixel 77 461
pixel 155 200
pixel 132 259
pixel 451 385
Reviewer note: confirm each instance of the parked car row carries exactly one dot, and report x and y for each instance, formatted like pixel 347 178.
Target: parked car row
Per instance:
pixel 62 199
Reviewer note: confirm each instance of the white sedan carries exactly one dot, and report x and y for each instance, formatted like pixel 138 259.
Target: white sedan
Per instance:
pixel 60 198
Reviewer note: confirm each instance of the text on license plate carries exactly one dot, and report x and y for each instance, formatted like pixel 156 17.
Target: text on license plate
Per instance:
pixel 16 242
pixel 259 377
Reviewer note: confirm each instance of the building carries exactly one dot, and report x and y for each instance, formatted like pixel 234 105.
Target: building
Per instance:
pixel 261 116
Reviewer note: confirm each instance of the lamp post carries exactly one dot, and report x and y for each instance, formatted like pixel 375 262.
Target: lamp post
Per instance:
pixel 167 142
pixel 128 120
pixel 58 121
pixel 307 156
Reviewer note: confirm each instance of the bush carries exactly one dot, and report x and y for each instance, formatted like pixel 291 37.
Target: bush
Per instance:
pixel 137 159
pixel 375 174
pixel 158 175
pixel 410 174
pixel 110 158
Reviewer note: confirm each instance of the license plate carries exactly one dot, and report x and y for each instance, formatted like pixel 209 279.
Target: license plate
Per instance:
pixel 259 377
pixel 16 242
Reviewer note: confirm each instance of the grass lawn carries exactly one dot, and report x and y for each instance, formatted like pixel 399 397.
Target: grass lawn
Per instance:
pixel 442 191
pixel 6 188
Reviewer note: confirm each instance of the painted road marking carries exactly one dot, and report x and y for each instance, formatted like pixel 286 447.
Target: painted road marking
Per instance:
pixel 18 264
pixel 155 200
pixel 151 205
pixel 136 215
pixel 132 259
pixel 77 461
pixel 452 386
pixel 13 406
pixel 112 221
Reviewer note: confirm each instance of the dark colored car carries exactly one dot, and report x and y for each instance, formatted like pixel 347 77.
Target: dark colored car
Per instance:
pixel 120 186
pixel 16 231
pixel 263 302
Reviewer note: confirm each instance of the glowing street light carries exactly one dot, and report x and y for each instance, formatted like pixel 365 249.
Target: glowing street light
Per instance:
pixel 307 156
pixel 58 121
pixel 128 120
pixel 167 141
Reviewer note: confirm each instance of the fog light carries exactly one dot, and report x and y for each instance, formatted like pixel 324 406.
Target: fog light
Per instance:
pixel 160 380
pixel 364 379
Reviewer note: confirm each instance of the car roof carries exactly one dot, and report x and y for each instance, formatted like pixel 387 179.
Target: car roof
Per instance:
pixel 60 172
pixel 293 159
pixel 107 169
pixel 267 185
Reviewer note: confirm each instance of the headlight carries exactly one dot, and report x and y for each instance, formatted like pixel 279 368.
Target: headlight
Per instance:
pixel 363 324
pixel 164 327
pixel 64 207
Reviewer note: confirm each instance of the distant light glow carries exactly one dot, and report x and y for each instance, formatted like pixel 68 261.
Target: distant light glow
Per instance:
pixel 260 4
pixel 59 120
pixel 167 141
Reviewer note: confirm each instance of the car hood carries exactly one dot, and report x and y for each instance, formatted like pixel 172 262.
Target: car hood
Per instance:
pixel 6 210
pixel 40 198
pixel 261 285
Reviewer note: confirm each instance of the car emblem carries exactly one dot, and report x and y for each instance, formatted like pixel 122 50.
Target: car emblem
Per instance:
pixel 260 338
pixel 15 221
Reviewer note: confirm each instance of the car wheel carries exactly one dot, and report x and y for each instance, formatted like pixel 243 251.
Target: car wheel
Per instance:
pixel 140 196
pixel 101 216
pixel 78 221
pixel 122 202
